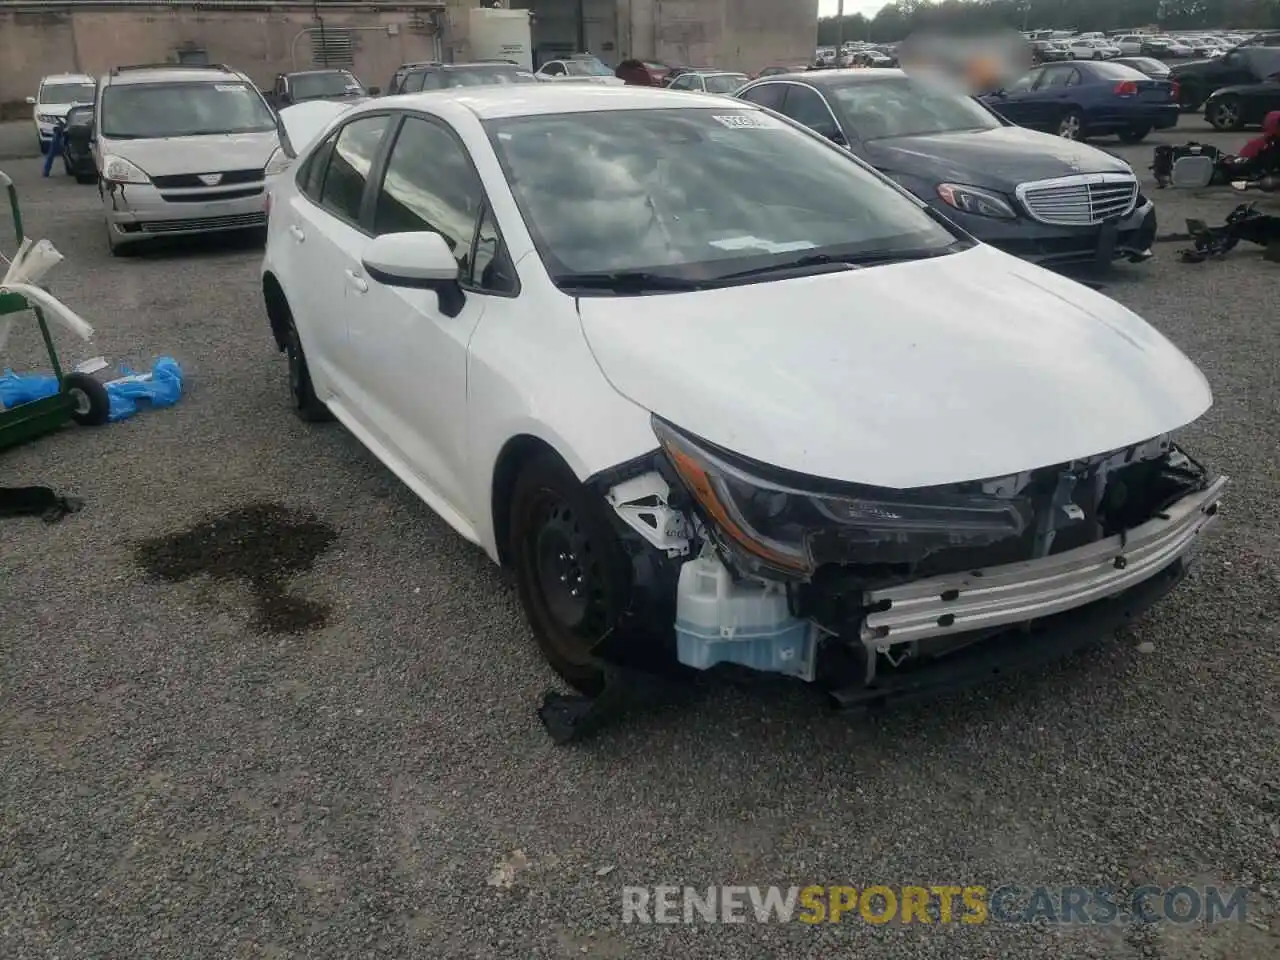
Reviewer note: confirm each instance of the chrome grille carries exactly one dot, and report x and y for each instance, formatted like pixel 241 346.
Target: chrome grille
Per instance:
pixel 1080 200
pixel 234 221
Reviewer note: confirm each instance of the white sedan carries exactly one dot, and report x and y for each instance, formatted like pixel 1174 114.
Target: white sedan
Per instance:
pixel 717 392
pixel 1093 49
pixel 578 70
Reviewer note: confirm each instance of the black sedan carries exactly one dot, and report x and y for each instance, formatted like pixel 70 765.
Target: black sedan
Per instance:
pixel 1037 196
pixel 1244 105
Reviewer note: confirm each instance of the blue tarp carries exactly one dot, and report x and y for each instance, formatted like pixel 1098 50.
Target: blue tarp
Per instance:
pixel 161 387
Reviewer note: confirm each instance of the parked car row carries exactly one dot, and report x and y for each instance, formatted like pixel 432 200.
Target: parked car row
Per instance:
pixel 653 513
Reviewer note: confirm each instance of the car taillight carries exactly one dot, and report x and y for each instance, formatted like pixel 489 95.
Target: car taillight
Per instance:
pixel 1126 88
pixel 1174 90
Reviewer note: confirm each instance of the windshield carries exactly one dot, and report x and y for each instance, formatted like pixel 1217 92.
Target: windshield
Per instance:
pixel 314 86
pixel 476 77
pixel 66 93
pixel 587 67
pixel 902 107
pixel 182 110
pixel 697 193
pixel 724 82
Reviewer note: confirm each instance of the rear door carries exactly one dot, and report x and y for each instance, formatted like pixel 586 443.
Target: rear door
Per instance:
pixel 1051 97
pixel 1012 103
pixel 323 223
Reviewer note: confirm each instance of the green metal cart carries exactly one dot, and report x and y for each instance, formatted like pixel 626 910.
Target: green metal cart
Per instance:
pixel 81 397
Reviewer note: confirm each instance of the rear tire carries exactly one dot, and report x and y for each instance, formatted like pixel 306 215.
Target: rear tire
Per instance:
pixel 305 402
pixel 1226 114
pixel 1135 135
pixel 572 575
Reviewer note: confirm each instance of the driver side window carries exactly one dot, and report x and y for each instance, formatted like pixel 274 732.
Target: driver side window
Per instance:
pixel 554 69
pixel 1025 83
pixel 807 107
pixel 682 82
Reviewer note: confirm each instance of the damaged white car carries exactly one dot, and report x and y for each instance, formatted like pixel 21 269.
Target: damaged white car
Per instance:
pixel 717 392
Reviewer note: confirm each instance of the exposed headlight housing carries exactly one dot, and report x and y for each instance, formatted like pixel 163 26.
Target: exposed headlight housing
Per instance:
pixel 974 200
pixel 277 163
pixel 792 529
pixel 119 170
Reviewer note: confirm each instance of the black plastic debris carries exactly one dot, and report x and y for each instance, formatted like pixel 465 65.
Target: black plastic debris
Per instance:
pixel 1244 223
pixel 40 502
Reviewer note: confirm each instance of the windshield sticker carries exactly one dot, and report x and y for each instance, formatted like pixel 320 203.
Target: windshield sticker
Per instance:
pixel 757 243
pixel 747 121
pixel 228 87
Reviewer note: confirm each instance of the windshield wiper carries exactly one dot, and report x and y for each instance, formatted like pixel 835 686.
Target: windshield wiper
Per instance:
pixel 835 262
pixel 627 281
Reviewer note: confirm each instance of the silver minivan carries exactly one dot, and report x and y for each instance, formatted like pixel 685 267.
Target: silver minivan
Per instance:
pixel 182 150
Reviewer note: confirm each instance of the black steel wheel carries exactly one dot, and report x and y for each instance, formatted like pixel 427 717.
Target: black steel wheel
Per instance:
pixel 571 573
pixel 305 402
pixel 91 403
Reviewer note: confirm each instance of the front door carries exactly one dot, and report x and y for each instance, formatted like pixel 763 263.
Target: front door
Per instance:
pixel 411 355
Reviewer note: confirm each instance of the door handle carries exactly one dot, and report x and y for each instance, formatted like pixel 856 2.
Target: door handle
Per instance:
pixel 296 232
pixel 357 282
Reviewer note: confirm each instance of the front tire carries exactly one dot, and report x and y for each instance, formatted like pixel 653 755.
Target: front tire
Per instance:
pixel 1226 114
pixel 572 575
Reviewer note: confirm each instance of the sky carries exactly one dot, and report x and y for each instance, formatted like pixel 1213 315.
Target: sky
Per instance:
pixel 868 8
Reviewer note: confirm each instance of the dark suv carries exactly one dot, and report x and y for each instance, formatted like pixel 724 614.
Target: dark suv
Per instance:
pixel 416 77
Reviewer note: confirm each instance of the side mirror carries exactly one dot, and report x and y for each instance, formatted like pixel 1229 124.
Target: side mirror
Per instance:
pixel 420 261
pixel 31 101
pixel 375 91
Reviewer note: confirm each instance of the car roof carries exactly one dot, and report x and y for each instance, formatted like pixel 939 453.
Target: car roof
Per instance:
pixel 492 103
pixel 67 78
pixel 308 73
pixel 827 78
pixel 174 75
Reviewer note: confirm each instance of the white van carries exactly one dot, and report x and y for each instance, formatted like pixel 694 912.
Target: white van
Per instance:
pixel 57 94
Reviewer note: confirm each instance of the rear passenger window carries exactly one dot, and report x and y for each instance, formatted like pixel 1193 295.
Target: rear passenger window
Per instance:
pixel 353 153
pixel 413 83
pixel 430 185
pixel 311 176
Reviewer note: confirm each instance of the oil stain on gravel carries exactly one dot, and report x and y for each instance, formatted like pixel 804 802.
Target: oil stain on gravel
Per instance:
pixel 263 544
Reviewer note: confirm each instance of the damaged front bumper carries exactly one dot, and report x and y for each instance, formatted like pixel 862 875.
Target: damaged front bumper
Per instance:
pixel 874 616
pixel 1017 592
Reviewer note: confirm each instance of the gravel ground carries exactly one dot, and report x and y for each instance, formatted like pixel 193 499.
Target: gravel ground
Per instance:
pixel 176 779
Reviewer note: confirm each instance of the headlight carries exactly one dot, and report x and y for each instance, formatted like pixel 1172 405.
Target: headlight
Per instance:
pixel 792 530
pixel 981 203
pixel 277 163
pixel 47 118
pixel 120 170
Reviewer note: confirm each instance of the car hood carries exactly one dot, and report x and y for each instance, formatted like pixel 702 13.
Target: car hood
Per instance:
pixel 965 367
pixel 1239 89
pixel 166 156
pixel 302 123
pixel 57 109
pixel 1191 66
pixel 1000 158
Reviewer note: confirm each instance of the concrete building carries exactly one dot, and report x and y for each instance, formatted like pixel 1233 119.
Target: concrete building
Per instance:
pixel 39 37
